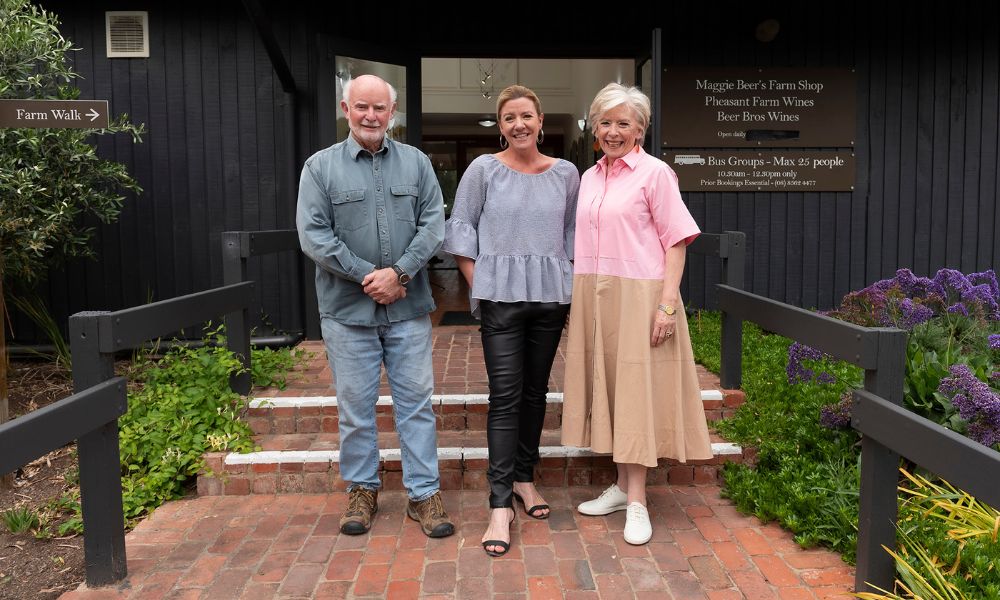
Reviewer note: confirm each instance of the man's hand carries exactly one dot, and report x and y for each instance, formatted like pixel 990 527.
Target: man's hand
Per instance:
pixel 383 286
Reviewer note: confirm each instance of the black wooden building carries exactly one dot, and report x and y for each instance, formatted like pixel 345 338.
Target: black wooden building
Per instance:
pixel 235 95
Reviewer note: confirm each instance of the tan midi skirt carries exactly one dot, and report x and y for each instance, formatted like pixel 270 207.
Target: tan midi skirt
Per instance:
pixel 622 396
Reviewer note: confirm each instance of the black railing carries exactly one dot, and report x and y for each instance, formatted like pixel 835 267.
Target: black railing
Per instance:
pixel 239 246
pixel 91 418
pixel 730 247
pixel 888 429
pixel 95 337
pixel 881 352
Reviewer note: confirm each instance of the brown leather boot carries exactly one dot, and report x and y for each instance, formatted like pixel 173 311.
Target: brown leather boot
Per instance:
pixel 431 515
pixel 361 507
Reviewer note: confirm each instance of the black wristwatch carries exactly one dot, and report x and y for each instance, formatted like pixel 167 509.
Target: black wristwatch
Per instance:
pixel 401 274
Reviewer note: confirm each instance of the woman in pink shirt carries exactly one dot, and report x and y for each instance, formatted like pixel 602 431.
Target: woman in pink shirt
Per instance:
pixel 631 388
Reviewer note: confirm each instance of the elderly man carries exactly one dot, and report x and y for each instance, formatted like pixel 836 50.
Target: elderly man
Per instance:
pixel 370 214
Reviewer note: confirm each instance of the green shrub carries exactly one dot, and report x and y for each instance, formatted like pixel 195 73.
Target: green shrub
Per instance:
pixel 806 476
pixel 183 409
pixel 269 367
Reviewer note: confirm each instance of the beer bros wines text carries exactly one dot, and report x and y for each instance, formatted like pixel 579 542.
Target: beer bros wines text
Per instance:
pixel 768 107
pixel 716 99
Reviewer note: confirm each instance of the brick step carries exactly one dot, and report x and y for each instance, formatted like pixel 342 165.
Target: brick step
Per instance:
pixel 455 412
pixel 309 463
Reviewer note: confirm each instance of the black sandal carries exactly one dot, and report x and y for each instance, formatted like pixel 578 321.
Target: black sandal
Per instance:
pixel 504 545
pixel 534 509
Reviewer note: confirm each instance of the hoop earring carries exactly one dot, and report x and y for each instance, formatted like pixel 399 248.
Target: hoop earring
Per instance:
pixel 503 142
pixel 541 137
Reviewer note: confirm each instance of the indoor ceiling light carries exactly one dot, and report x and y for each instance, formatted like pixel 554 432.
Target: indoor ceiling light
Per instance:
pixel 487 122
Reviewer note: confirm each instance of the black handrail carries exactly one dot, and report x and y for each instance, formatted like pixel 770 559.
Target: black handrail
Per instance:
pixel 730 246
pixel 94 338
pixel 881 352
pixel 89 416
pixel 50 427
pixel 966 464
pixel 238 246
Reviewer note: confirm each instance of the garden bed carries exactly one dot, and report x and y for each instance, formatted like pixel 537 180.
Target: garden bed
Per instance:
pixel 180 406
pixel 797 416
pixel 33 567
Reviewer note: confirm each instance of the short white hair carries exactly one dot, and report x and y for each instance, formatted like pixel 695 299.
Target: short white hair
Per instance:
pixel 347 90
pixel 616 94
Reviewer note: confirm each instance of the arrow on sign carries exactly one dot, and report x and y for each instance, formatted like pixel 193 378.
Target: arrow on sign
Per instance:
pixel 93 114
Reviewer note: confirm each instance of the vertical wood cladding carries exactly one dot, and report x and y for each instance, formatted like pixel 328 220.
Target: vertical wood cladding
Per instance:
pixel 216 156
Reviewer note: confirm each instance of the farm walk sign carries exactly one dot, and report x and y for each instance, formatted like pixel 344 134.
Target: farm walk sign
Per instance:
pixel 62 114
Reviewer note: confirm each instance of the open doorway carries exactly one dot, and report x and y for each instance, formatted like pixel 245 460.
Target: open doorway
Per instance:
pixel 458 97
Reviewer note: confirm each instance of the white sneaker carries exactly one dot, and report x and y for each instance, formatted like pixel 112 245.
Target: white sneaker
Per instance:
pixel 637 527
pixel 611 500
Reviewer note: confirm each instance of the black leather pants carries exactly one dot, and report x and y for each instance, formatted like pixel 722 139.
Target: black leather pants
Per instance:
pixel 519 343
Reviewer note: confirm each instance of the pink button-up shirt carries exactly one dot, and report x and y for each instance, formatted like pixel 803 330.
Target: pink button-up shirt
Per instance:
pixel 625 222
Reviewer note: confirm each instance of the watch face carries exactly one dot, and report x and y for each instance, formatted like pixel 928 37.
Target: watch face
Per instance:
pixel 404 278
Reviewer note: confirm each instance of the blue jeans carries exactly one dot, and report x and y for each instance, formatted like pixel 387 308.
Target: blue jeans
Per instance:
pixel 356 354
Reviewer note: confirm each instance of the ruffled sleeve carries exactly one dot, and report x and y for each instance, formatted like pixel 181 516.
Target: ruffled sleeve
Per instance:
pixel 461 234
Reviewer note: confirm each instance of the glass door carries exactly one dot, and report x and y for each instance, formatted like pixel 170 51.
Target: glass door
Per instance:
pixel 648 78
pixel 342 60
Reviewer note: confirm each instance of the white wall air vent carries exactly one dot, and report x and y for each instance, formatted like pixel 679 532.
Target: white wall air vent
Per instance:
pixel 127 34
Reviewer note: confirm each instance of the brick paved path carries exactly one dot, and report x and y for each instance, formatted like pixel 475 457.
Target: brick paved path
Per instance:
pixel 288 545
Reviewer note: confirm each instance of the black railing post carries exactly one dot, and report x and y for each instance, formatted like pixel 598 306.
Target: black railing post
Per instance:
pixel 734 258
pixel 731 367
pixel 100 461
pixel 733 252
pixel 310 304
pixel 238 342
pixel 234 270
pixel 880 472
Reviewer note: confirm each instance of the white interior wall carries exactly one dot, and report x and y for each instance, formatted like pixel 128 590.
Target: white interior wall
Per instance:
pixel 452 85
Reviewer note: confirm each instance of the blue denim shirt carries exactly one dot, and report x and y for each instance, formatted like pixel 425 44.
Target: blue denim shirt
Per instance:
pixel 359 211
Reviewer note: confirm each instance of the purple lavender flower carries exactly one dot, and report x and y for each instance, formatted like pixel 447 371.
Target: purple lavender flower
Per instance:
pixel 837 415
pixel 798 372
pixel 976 402
pixel 994 341
pixel 958 309
pixel 983 296
pixel 906 280
pixel 913 314
pixel 826 378
pixel 925 288
pixel 882 285
pixel 989 278
pixel 952 282
pixel 986 435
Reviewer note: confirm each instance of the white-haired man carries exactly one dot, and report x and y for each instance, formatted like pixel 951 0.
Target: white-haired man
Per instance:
pixel 370 214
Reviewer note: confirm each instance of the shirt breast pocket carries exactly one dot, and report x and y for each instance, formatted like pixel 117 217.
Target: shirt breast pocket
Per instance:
pixel 350 213
pixel 404 201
